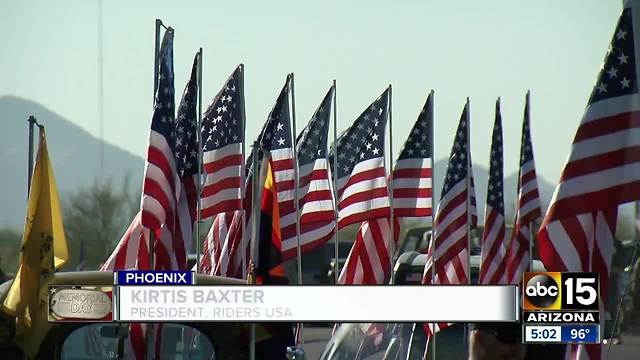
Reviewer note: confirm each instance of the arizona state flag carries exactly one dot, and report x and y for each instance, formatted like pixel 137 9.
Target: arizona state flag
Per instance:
pixel 44 249
pixel 273 339
pixel 269 268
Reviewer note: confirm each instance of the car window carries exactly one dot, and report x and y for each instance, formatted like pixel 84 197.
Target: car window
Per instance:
pixel 112 341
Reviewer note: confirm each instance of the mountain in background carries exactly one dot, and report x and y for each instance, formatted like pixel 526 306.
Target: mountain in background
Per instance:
pixel 73 151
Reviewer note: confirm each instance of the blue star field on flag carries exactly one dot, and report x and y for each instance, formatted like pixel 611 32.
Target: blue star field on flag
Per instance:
pixel 163 119
pixel 458 162
pixel 495 187
pixel 277 131
pixel 186 146
pixel 419 142
pixel 618 74
pixel 311 144
pixel 222 121
pixel 364 140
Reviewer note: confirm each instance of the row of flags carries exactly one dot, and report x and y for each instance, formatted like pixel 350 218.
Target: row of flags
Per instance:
pixel 578 229
pixel 576 233
pixel 349 179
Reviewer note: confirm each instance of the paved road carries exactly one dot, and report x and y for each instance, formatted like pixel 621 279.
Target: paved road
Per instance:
pixel 628 350
pixel 316 338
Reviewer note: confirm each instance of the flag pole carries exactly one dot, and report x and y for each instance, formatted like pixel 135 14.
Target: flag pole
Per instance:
pixel 531 233
pixel 469 217
pixel 433 233
pixel 296 185
pixel 391 218
pixel 243 178
pixel 296 180
pixel 468 181
pixel 32 121
pixel 199 179
pixel 254 239
pixel 336 271
pixel 156 65
pixel 255 203
pixel 156 59
pixel 636 224
pixel 432 94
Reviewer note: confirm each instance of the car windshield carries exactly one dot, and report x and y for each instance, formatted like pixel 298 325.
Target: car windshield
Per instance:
pixel 118 341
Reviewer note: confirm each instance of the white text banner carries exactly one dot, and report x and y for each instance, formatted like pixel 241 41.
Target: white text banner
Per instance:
pixel 319 303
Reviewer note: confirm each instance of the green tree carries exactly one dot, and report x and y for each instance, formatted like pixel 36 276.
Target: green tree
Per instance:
pixel 10 242
pixel 94 220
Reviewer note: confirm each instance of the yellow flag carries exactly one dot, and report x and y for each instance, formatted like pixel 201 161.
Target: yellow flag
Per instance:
pixel 44 249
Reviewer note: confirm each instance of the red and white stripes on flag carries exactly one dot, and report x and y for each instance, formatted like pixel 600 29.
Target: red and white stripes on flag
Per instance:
pixel 412 188
pixel 221 254
pixel 283 172
pixel 528 208
pixel 212 244
pixel 132 253
pixel 603 169
pixel 369 261
pixel 277 143
pixel 223 135
pixel 582 243
pixel 132 250
pixel 168 206
pixel 315 194
pixel 448 255
pixel 412 172
pixel 229 261
pixel 315 228
pixel 449 246
pixel 362 182
pixel 492 264
pixel 221 190
pixel 274 138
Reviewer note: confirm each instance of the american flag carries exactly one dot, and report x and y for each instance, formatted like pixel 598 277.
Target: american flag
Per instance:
pixel 223 135
pixel 132 253
pixel 186 154
pixel 168 196
pixel 528 208
pixel 212 244
pixel 362 183
pixel 228 227
pixel 412 172
pixel 275 138
pixel 224 240
pixel 369 261
pixel 603 169
pixel 449 246
pixel 314 188
pixel 493 235
pixel 132 250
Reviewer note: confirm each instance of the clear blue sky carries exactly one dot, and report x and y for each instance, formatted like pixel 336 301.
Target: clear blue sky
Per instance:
pixel 481 49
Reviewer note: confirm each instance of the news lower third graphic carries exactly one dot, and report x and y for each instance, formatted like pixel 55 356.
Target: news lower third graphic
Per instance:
pixel 561 307
pixel 155 296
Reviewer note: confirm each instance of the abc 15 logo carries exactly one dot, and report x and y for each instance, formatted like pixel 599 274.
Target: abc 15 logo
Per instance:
pixel 560 291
